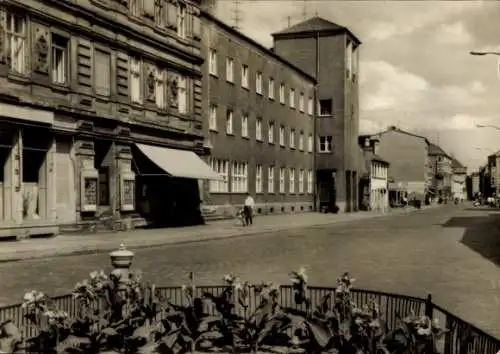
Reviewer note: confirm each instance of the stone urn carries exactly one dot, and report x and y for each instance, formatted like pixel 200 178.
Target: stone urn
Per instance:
pixel 121 260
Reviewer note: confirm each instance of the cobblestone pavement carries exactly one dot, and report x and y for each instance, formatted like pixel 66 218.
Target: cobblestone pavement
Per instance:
pixel 449 252
pixel 98 242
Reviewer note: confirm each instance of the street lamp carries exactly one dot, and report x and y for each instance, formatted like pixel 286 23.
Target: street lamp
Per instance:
pixel 474 52
pixel 487 126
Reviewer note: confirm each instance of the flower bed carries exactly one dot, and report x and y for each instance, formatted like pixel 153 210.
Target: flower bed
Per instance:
pixel 116 315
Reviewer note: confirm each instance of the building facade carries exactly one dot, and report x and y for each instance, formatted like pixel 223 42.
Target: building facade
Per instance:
pixel 329 52
pixel 459 181
pixel 374 183
pixel 494 172
pixel 259 110
pixel 408 155
pixel 442 172
pixel 96 99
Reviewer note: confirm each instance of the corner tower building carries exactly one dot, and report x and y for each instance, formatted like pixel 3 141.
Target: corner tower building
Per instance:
pixel 329 53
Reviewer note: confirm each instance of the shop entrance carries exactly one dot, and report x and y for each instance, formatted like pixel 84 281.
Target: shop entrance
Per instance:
pixel 34 173
pixel 162 200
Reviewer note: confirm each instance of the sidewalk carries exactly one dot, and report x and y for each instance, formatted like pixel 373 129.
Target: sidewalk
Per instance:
pixel 101 242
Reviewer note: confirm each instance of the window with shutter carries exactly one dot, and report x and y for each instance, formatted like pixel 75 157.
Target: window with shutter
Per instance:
pixel 122 81
pixel 102 73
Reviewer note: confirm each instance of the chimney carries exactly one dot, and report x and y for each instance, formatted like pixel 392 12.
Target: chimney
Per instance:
pixel 209 6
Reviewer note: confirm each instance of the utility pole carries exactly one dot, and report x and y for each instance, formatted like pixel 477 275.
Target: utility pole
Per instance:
pixel 304 10
pixel 236 14
pixel 289 20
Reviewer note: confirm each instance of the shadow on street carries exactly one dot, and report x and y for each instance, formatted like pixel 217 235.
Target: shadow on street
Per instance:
pixel 482 233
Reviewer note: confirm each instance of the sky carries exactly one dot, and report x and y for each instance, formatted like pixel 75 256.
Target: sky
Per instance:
pixel 415 68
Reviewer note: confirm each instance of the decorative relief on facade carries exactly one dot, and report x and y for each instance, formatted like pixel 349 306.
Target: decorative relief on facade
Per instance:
pixel 173 86
pixel 90 192
pixel 128 192
pixel 41 40
pixel 151 83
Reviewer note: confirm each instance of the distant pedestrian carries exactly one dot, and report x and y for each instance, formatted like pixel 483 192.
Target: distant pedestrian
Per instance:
pixel 248 208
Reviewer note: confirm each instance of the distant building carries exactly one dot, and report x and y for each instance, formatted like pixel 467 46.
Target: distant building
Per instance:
pixel 442 172
pixel 329 52
pixel 258 110
pixel 458 187
pixel 493 171
pixel 374 191
pixel 408 155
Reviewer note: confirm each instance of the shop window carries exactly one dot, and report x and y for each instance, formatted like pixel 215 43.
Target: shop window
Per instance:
pixel 101 164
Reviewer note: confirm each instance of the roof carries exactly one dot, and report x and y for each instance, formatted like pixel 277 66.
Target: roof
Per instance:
pixel 455 164
pixel 313 25
pixel 260 47
pixel 437 150
pixel 378 158
pixel 396 129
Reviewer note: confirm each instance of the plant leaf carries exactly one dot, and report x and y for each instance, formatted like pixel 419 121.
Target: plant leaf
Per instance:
pixel 319 334
pixel 73 342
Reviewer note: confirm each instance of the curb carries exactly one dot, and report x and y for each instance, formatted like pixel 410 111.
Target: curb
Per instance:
pixel 106 248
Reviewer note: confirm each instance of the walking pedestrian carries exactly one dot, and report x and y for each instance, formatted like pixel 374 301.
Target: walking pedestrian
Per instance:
pixel 248 208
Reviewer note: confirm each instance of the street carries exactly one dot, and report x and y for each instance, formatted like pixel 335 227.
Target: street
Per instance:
pixel 451 252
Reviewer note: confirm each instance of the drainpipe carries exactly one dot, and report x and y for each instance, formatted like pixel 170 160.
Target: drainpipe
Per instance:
pixel 315 139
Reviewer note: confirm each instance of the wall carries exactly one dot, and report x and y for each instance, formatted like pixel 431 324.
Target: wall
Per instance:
pixel 407 156
pixel 246 101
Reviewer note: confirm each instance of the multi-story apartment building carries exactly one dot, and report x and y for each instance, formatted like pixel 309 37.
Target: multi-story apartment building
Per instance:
pixel 374 183
pixel 100 105
pixel 440 164
pixel 408 155
pixel 259 110
pixel 329 52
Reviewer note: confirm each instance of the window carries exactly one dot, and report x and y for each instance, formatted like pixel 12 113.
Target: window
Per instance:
pixel 134 7
pixel 161 89
pixel 282 180
pixel 212 62
pixel 282 93
pixel 244 126
pixel 292 138
pixel 103 185
pixel 181 20
pixel 160 13
pixel 348 60
pixel 310 181
pixel 270 179
pixel 244 76
pixel 325 107
pixel 258 83
pixel 354 63
pixel 270 133
pixel 182 102
pixel 325 144
pixel 229 122
pixel 301 102
pixel 212 121
pixel 258 129
pixel 292 98
pixel 229 70
pixel 291 182
pixel 258 179
pixel 102 73
pixel 222 168
pixel 310 106
pixel 301 181
pixel 15 29
pixel 239 177
pixel 59 59
pixel 282 136
pixel 135 80
pixel 270 89
pixel 310 143
pixel 301 141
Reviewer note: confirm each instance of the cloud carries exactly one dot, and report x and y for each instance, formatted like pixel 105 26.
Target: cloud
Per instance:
pixel 453 33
